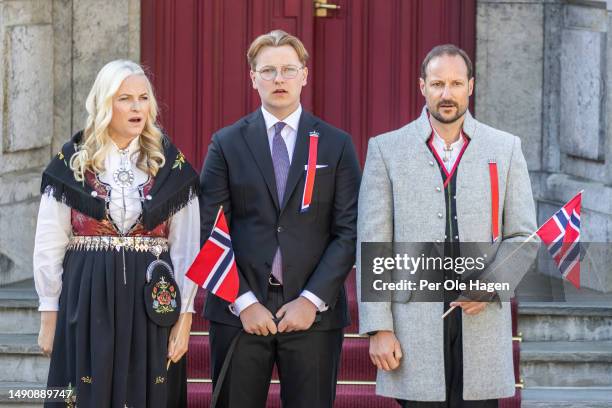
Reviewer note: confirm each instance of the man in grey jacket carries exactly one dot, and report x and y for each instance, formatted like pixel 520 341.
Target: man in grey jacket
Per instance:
pixel 433 181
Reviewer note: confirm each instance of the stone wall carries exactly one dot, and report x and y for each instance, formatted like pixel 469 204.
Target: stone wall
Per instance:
pixel 51 51
pixel 543 69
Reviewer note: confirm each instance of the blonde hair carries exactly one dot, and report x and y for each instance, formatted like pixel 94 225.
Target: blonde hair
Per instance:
pixel 96 142
pixel 276 38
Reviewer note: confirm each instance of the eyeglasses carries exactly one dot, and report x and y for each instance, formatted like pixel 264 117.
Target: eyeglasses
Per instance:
pixel 269 73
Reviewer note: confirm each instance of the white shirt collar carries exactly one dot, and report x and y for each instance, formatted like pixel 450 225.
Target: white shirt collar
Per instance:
pixel 292 120
pixel 440 143
pixel 133 147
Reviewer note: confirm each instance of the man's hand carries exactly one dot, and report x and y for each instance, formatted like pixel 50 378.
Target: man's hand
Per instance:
pixel 471 308
pixel 385 350
pixel 256 319
pixel 48 321
pixel 299 314
pixel 178 343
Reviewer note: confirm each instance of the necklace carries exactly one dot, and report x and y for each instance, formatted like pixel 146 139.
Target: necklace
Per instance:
pixel 124 176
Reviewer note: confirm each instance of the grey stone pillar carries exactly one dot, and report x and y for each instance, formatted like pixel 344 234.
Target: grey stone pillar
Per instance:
pixel 51 51
pixel 543 69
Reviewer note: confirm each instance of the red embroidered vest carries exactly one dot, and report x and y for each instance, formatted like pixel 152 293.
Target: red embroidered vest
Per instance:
pixel 88 226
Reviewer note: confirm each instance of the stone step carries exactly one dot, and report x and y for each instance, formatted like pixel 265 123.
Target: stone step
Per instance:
pixel 567 364
pixel 21 359
pixel 567 397
pixel 546 321
pixel 19 309
pixel 7 402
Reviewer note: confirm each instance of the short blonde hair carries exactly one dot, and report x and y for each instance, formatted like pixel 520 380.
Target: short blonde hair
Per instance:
pixel 276 38
pixel 96 141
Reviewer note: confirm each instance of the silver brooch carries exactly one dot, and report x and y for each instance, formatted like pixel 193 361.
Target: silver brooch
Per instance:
pixel 123 177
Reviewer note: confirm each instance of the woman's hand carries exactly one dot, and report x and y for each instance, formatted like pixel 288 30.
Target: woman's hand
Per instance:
pixel 48 321
pixel 178 342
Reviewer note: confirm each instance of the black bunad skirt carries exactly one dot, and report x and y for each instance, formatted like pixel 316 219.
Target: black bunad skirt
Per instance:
pixel 105 346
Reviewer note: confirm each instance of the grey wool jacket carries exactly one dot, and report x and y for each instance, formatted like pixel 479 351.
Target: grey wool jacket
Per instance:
pixel 399 202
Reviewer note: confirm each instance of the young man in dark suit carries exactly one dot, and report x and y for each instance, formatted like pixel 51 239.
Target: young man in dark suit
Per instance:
pixel 288 183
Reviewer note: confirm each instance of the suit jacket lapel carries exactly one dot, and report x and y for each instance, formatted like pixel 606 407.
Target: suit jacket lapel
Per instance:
pixel 256 137
pixel 300 155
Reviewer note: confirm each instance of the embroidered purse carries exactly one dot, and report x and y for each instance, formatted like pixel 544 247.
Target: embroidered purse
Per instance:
pixel 161 294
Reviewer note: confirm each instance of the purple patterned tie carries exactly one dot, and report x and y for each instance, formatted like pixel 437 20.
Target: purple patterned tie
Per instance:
pixel 280 160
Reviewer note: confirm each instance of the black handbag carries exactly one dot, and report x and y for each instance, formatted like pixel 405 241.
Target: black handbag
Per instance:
pixel 161 294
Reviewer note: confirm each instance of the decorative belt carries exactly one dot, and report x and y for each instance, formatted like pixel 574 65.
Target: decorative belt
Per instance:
pixel 155 245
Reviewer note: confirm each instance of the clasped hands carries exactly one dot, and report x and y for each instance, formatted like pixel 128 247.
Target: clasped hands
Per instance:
pixel 299 314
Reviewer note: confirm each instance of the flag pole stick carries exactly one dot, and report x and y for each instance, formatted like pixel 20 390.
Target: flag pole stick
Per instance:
pixel 194 290
pixel 497 266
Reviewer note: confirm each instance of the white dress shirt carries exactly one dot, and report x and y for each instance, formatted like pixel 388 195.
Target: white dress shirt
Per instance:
pixel 54 229
pixel 439 144
pixel 289 135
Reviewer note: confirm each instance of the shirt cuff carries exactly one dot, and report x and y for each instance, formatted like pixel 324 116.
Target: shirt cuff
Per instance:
pixel 321 306
pixel 48 304
pixel 245 300
pixel 185 309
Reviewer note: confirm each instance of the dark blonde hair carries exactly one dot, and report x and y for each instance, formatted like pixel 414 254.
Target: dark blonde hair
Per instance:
pixel 276 38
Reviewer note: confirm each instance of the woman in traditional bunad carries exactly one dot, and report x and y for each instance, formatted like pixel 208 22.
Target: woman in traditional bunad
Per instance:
pixel 117 229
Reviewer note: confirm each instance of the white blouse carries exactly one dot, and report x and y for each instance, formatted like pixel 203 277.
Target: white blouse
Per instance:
pixel 54 229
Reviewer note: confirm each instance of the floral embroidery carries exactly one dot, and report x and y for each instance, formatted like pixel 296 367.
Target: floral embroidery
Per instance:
pixel 180 160
pixel 87 379
pixel 164 297
pixel 160 380
pixel 61 156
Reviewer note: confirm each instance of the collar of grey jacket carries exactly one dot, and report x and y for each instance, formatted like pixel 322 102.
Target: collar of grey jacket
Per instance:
pixel 424 127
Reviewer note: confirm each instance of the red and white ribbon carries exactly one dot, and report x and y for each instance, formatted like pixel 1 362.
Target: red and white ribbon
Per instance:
pixel 311 170
pixel 494 201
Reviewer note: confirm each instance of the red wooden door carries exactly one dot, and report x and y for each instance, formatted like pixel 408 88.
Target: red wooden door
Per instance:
pixel 363 71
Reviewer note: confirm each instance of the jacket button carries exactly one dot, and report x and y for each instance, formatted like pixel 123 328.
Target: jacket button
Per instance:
pixel 440 215
pixel 456 236
pixel 437 240
pixel 279 229
pixel 438 189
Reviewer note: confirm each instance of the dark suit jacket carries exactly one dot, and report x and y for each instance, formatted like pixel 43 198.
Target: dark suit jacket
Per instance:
pixel 318 246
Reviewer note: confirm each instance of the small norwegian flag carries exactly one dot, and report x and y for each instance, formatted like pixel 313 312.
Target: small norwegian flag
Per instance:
pixel 214 268
pixel 561 234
